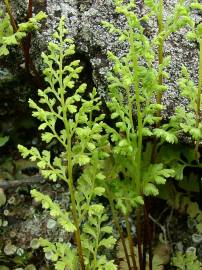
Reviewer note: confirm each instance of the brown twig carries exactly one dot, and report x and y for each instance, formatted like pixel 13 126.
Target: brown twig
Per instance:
pixel 6 184
pixel 148 233
pixel 131 244
pixel 114 214
pixel 139 238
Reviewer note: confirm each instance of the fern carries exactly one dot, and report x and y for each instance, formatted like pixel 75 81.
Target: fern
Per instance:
pixel 186 261
pixel 82 144
pixel 134 82
pixel 8 37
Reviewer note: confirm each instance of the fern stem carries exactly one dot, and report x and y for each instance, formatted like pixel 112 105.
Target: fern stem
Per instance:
pixel 160 61
pixel 96 247
pixel 147 232
pixel 198 101
pixel 139 113
pixel 161 45
pixel 130 109
pixel 8 9
pixel 74 211
pixel 29 13
pixel 138 158
pixel 139 238
pixel 77 232
pixel 72 195
pixel 111 203
pixel 69 157
pixel 131 244
pixel 144 249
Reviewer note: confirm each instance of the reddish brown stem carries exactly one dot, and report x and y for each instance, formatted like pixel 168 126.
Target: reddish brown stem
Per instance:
pixel 131 244
pixel 148 232
pixel 114 214
pixel 139 238
pixel 30 6
pixel 124 245
pixel 26 46
pixel 144 256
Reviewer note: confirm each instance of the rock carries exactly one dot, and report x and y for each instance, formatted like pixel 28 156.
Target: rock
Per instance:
pixel 191 249
pixel 20 251
pixel 197 238
pixel 30 267
pixel 10 249
pixel 83 19
pixel 34 243
pixel 48 255
pixel 51 223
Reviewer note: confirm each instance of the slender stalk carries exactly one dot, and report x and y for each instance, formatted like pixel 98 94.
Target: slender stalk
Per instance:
pixel 30 6
pixel 198 102
pixel 144 252
pixel 161 45
pixel 8 9
pixel 130 108
pixel 131 244
pixel 96 247
pixel 74 211
pixel 138 157
pixel 139 238
pixel 111 203
pixel 160 61
pixel 69 159
pixel 139 113
pixel 147 232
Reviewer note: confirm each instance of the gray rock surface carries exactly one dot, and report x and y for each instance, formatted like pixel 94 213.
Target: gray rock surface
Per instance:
pixel 83 19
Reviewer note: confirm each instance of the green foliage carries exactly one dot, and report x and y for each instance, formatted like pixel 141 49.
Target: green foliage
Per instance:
pixel 63 255
pixel 187 120
pixel 8 37
pixel 3 140
pixel 142 149
pixel 82 142
pixel 133 83
pixel 186 261
pixel 55 211
pixel 94 239
pixel 182 202
pixel 6 30
pixel 126 162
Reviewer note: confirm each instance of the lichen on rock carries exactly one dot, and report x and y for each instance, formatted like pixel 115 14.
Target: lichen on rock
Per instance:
pixel 84 21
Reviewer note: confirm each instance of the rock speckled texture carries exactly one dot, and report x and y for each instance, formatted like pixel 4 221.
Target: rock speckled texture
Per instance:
pixel 83 19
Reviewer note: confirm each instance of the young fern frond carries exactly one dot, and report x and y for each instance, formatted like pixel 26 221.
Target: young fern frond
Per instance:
pixel 81 140
pixel 133 83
